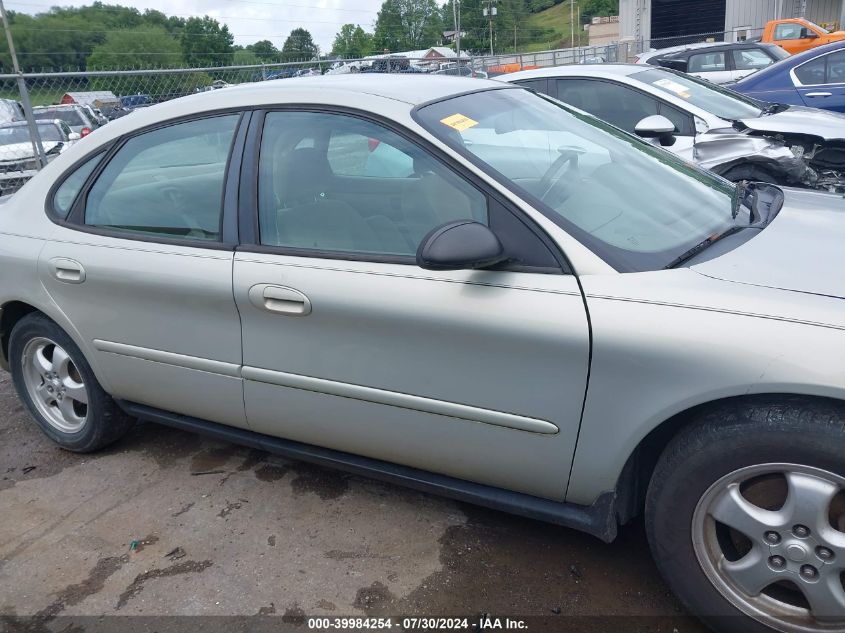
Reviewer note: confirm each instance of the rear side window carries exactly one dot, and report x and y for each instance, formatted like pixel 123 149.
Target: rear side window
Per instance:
pixel 622 106
pixel 706 62
pixel 835 68
pixel 70 188
pixel 168 182
pixel 812 72
pixel 750 59
pixel 540 85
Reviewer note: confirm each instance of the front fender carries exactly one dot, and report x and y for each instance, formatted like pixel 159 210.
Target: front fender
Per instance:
pixel 665 342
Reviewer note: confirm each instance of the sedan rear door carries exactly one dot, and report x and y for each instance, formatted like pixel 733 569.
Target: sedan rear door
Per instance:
pixel 140 264
pixel 821 81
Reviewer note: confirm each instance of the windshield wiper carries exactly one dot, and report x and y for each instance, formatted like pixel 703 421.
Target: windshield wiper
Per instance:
pixel 704 244
pixel 774 108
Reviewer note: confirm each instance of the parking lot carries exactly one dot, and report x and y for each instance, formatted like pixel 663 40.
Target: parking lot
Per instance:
pixel 167 523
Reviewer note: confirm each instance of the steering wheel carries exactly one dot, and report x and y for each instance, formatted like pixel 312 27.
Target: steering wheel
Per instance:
pixel 553 186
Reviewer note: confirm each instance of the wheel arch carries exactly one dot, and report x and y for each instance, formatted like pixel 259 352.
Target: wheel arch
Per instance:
pixel 13 310
pixel 10 313
pixel 636 473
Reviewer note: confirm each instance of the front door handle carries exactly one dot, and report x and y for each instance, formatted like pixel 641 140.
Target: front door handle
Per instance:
pixel 279 299
pixel 66 270
pixel 819 94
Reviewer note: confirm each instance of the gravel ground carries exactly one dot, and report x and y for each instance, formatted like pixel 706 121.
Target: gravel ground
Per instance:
pixel 166 523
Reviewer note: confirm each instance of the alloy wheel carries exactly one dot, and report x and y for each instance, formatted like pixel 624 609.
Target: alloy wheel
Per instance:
pixel 771 539
pixel 54 385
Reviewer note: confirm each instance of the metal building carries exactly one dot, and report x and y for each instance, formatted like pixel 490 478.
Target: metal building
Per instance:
pixel 677 21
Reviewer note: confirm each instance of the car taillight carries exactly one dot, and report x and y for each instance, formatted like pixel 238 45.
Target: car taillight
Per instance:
pixel 373 143
pixel 85 131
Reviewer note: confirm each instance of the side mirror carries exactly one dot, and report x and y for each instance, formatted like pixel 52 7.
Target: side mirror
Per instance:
pixel 73 136
pixel 808 34
pixel 458 246
pixel 657 126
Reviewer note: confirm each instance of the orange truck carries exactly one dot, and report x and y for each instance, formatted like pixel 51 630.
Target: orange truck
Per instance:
pixel 796 35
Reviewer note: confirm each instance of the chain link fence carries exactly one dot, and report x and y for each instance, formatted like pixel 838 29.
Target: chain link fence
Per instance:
pixel 69 105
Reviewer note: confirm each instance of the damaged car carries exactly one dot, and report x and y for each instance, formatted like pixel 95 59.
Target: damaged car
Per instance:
pixel 735 136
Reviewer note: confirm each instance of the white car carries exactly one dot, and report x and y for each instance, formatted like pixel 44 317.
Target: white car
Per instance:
pixel 719 62
pixel 735 136
pixel 18 162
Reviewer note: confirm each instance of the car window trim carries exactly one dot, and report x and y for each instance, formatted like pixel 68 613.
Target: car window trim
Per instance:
pixel 660 101
pixel 75 219
pixel 249 222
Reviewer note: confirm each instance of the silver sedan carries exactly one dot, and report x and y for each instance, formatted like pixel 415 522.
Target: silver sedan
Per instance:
pixel 466 287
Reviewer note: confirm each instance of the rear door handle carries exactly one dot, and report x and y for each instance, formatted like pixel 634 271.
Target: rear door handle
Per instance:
pixel 279 299
pixel 819 94
pixel 66 270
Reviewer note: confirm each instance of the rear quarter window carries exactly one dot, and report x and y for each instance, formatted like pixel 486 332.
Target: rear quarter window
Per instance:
pixel 66 193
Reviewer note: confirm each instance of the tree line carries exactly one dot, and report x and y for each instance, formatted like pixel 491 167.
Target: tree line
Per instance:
pixel 111 36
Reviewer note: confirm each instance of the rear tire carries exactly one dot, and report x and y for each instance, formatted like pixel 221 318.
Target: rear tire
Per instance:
pixel 59 389
pixel 769 469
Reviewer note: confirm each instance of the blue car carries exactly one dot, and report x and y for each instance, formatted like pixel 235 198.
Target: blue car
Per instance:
pixel 814 78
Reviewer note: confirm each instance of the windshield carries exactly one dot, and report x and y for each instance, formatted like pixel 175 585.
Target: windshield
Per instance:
pixel 702 94
pixel 636 206
pixel 820 29
pixel 20 134
pixel 69 116
pixel 777 51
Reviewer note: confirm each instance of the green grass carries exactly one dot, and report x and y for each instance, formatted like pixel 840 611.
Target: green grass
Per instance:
pixel 556 20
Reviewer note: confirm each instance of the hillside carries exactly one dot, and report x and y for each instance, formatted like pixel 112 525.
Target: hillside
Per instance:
pixel 553 23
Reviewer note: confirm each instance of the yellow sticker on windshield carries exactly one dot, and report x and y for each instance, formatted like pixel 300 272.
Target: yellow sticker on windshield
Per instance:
pixel 459 122
pixel 673 86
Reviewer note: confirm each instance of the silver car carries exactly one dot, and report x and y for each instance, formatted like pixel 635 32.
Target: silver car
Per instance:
pixel 719 62
pixel 735 136
pixel 517 305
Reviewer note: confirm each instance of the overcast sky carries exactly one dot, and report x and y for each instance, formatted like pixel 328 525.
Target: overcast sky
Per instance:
pixel 249 20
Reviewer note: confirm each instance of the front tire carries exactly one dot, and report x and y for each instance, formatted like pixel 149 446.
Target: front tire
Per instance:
pixel 59 389
pixel 745 516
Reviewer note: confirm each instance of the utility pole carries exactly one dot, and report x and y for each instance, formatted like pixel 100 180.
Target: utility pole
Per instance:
pixel 572 22
pixel 456 15
pixel 35 137
pixel 490 11
pixel 580 26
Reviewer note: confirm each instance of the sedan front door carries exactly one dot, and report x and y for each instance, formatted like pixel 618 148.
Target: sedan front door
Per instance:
pixel 349 345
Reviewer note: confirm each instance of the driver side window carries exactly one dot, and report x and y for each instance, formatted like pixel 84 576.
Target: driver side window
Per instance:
pixel 788 32
pixel 167 182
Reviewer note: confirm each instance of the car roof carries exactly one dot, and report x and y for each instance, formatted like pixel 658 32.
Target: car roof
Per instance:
pixel 579 70
pixel 718 46
pixel 59 106
pixel 389 95
pixel 408 88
